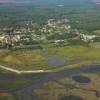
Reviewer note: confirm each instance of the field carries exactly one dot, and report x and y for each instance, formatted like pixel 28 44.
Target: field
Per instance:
pixel 49 58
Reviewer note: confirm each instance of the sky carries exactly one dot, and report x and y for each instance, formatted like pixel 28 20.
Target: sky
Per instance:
pixel 7 1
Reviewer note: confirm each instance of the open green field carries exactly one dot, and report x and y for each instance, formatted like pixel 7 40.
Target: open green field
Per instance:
pixel 42 59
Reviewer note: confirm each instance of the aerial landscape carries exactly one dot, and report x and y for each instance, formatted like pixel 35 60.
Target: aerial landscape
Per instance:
pixel 49 49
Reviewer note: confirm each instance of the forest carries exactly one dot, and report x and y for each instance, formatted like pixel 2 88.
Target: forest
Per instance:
pixel 81 16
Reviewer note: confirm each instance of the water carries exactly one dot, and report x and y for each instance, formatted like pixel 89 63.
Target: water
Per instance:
pixel 81 79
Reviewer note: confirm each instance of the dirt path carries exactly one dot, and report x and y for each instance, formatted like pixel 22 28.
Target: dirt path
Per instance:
pixel 46 71
pixel 23 72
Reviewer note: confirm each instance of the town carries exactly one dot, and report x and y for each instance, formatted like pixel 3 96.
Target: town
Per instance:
pixel 54 31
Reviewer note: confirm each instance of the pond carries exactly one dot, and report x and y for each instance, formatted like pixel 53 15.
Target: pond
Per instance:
pixel 56 61
pixel 81 79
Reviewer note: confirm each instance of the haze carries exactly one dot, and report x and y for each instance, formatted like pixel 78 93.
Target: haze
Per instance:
pixel 70 2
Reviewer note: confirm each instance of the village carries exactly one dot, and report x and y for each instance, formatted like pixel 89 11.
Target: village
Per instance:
pixel 55 31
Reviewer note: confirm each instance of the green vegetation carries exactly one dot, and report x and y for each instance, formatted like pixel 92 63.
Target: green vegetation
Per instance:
pixel 6 96
pixel 84 17
pixel 19 81
pixel 49 38
pixel 68 87
pixel 38 59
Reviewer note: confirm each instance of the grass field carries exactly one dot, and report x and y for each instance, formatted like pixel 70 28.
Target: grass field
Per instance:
pixel 43 59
